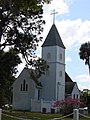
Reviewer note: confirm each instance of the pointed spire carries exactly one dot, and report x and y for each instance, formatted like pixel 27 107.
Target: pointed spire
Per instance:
pixel 53 38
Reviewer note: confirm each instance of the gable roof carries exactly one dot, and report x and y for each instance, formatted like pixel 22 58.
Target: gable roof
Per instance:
pixel 69 84
pixel 53 38
pixel 69 87
pixel 67 78
pixel 32 75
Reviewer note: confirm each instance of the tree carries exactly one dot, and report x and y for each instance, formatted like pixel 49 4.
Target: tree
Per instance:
pixel 39 67
pixel 85 53
pixel 8 62
pixel 85 95
pixel 21 25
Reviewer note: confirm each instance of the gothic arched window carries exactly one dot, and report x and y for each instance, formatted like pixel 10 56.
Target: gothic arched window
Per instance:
pixel 24 82
pixel 24 86
pixel 38 94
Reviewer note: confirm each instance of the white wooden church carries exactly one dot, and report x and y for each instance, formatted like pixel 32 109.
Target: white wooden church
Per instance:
pixel 55 84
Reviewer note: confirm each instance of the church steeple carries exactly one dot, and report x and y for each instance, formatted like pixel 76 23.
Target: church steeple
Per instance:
pixel 53 38
pixel 53 51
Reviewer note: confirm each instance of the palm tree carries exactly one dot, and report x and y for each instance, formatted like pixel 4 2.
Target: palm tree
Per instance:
pixel 85 53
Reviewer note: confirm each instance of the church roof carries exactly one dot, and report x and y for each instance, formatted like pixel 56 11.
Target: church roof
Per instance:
pixel 69 84
pixel 53 38
pixel 67 78
pixel 33 76
pixel 69 87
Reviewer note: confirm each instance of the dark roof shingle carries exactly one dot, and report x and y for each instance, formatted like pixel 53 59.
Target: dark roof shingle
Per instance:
pixel 69 87
pixel 69 84
pixel 67 78
pixel 53 38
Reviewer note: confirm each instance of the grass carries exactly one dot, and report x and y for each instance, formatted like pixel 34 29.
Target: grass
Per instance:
pixel 30 115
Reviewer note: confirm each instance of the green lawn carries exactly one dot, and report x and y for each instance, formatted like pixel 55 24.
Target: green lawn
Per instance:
pixel 30 115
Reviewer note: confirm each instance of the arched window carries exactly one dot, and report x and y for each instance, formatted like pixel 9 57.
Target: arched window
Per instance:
pixel 24 86
pixel 38 94
pixel 24 82
pixel 60 57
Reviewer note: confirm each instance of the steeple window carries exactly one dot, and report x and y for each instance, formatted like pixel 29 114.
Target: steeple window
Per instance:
pixel 60 73
pixel 60 57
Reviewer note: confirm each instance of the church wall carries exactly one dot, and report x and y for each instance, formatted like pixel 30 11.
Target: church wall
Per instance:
pixel 75 92
pixel 60 56
pixel 48 82
pixel 57 54
pixel 60 73
pixel 21 98
pixel 56 62
pixel 37 106
pixel 52 51
pixel 60 92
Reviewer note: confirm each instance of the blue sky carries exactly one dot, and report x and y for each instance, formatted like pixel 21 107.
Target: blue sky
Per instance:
pixel 80 9
pixel 73 24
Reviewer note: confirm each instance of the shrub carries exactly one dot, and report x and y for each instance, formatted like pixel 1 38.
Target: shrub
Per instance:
pixel 67 105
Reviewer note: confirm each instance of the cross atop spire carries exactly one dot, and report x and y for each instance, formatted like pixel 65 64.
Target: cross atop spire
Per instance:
pixel 53 13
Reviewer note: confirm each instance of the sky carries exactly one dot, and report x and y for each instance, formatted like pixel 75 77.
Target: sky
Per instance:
pixel 73 24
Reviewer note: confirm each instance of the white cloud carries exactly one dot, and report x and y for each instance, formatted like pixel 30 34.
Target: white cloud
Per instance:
pixel 68 59
pixel 83 78
pixel 73 32
pixel 83 81
pixel 61 6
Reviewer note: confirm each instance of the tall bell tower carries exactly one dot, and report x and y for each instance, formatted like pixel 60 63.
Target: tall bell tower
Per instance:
pixel 53 51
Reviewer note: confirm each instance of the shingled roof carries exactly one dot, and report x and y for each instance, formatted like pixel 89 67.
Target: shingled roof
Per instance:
pixel 67 78
pixel 69 87
pixel 69 84
pixel 53 38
